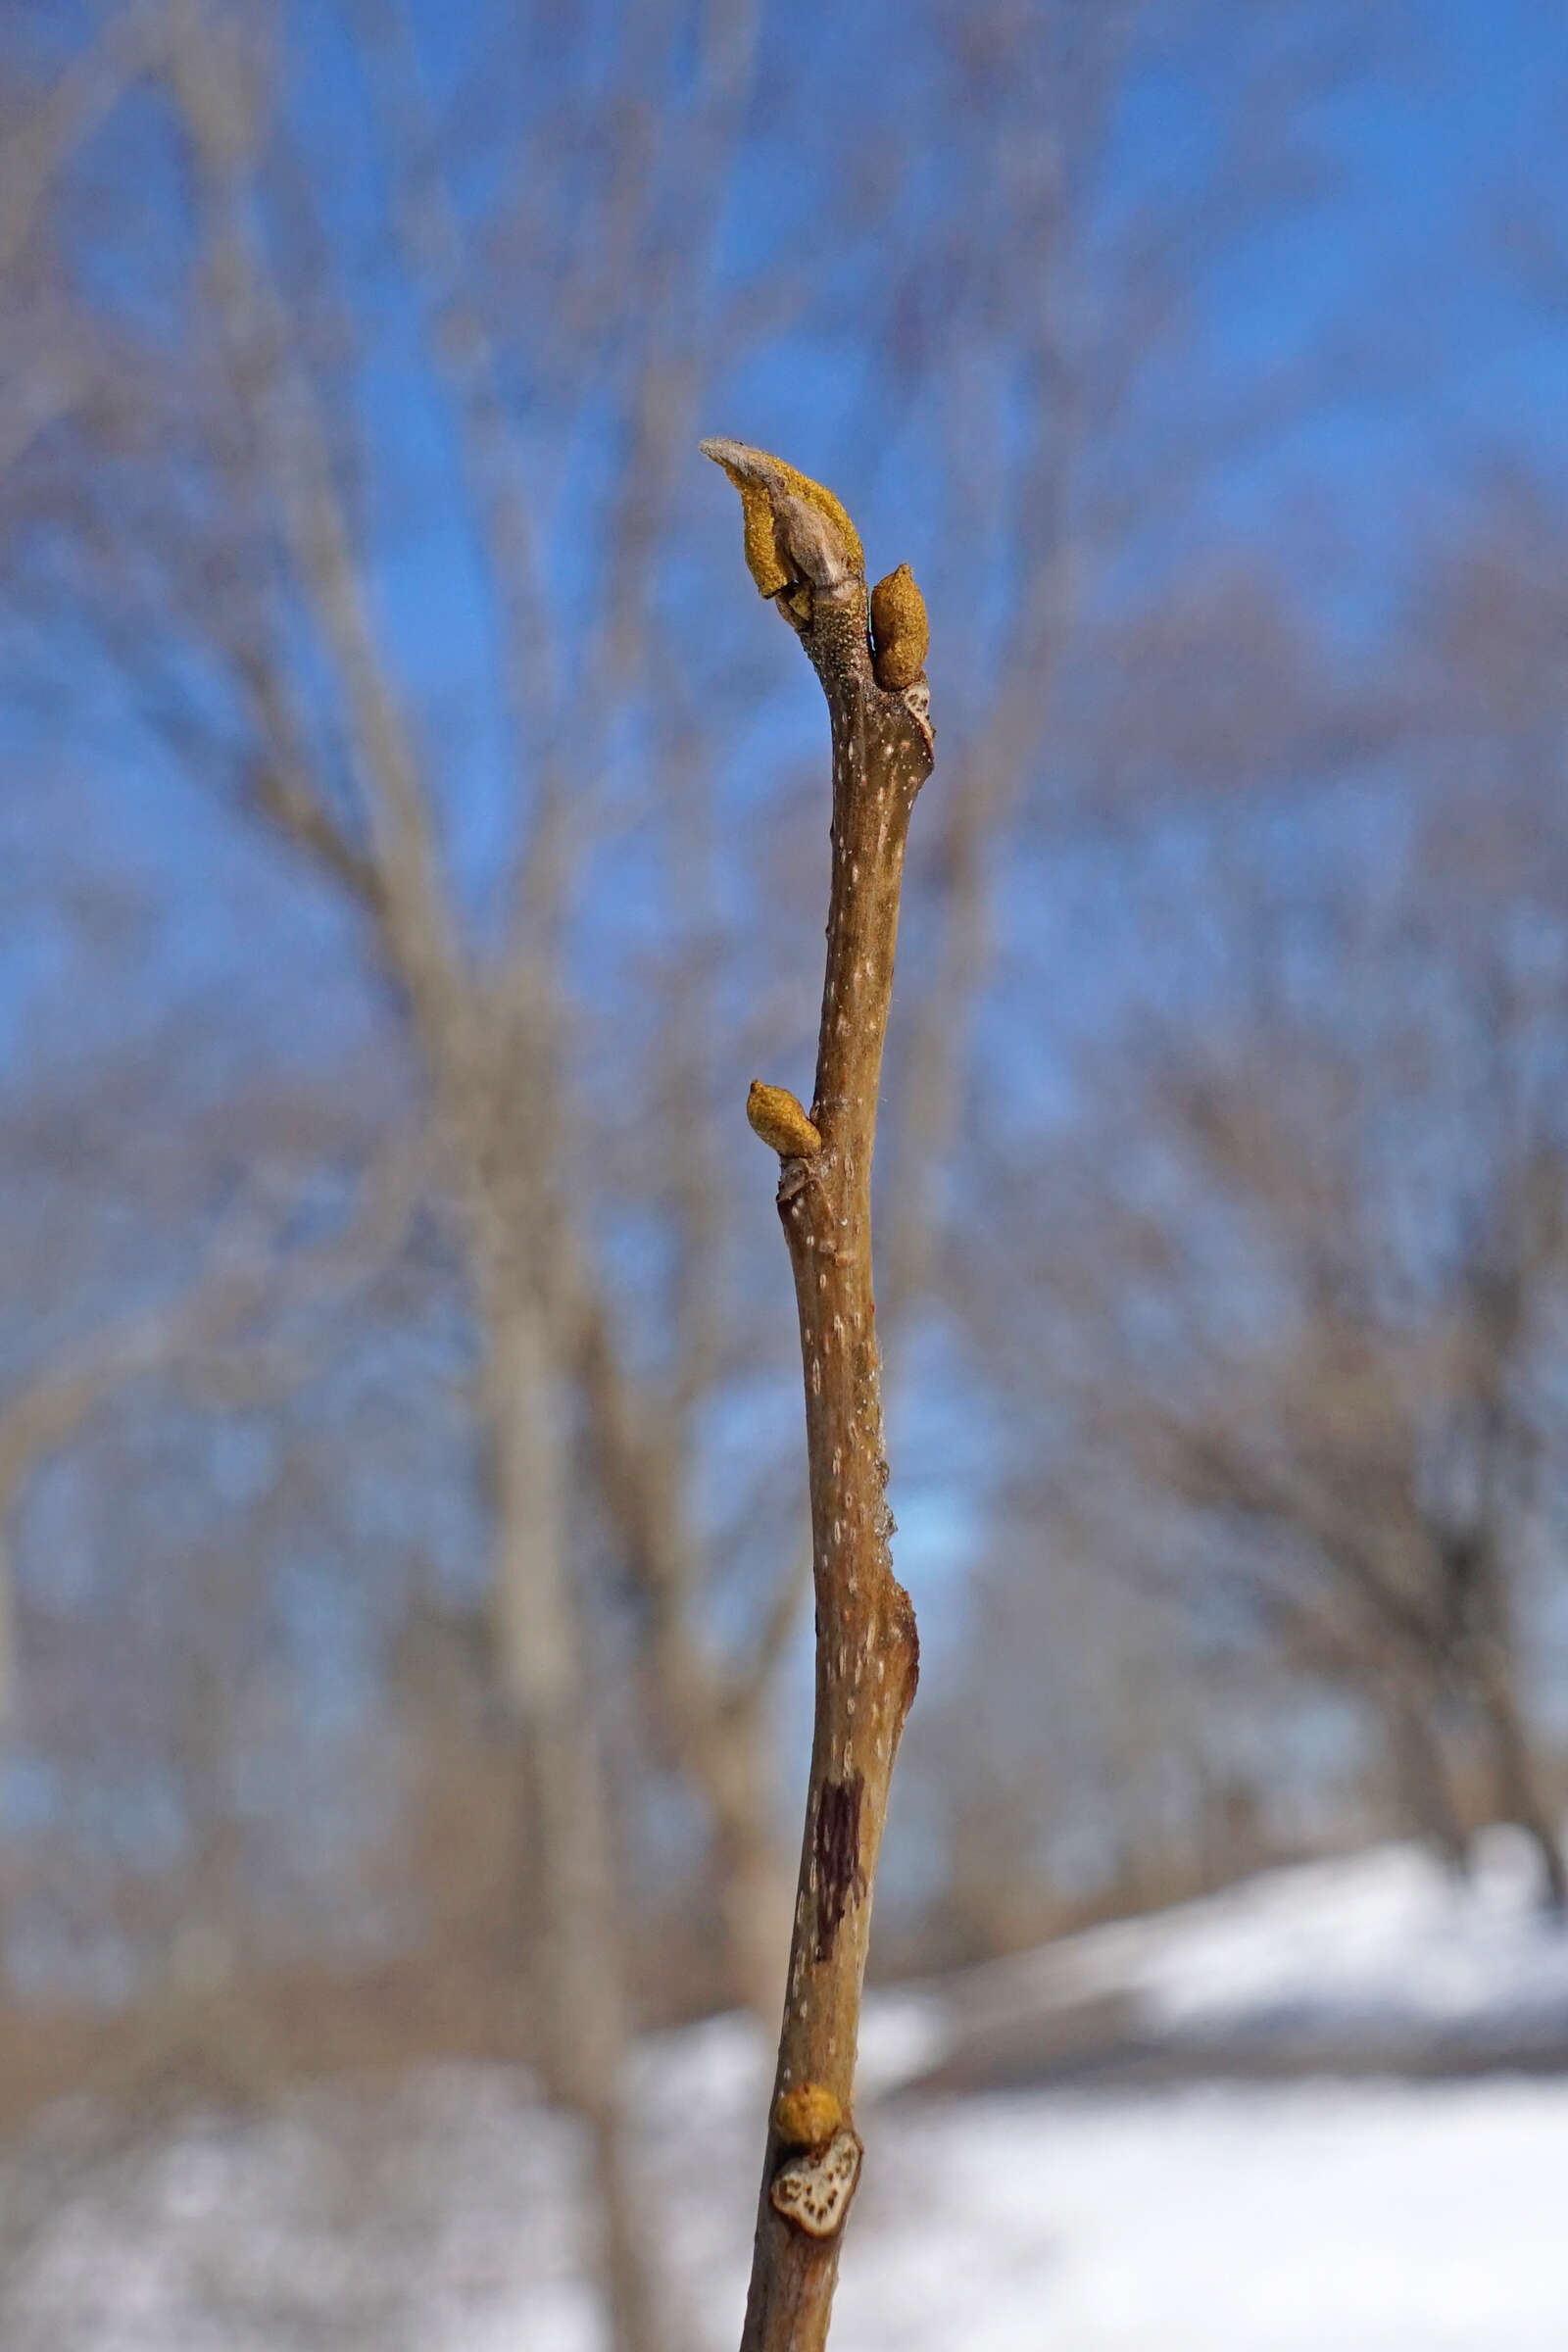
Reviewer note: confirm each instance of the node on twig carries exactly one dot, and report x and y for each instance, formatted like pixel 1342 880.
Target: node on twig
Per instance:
pixel 806 2116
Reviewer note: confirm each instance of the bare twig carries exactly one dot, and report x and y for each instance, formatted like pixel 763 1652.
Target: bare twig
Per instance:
pixel 803 551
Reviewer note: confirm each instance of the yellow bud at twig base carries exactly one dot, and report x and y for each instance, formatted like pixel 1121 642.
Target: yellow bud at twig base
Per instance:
pixel 808 2116
pixel 900 633
pixel 777 1117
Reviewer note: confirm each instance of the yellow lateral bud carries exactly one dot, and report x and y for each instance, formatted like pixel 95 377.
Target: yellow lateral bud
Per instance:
pixel 900 633
pixel 808 2116
pixel 777 1117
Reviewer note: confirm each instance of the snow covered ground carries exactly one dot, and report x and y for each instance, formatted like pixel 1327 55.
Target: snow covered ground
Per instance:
pixel 1377 1961
pixel 1387 2218
pixel 1379 2216
pixel 1297 2216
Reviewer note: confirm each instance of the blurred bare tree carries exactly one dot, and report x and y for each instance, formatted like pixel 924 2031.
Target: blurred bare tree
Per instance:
pixel 1300 1287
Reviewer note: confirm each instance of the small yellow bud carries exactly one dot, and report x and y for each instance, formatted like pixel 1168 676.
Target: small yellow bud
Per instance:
pixel 900 633
pixel 777 1117
pixel 808 2116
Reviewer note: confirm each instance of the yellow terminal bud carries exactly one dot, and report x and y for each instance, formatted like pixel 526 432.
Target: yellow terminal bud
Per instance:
pixel 766 483
pixel 763 557
pixel 808 2116
pixel 900 633
pixel 777 1117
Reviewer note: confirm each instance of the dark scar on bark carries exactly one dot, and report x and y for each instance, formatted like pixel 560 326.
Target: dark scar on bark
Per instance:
pixel 836 1849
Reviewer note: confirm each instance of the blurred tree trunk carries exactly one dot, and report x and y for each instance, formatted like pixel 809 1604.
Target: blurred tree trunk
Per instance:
pixel 754 1887
pixel 1519 1795
pixel 1421 1773
pixel 716 1717
pixel 582 2004
pixel 538 1647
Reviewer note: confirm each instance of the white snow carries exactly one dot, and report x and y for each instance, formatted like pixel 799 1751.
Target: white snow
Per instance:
pixel 1383 1949
pixel 1387 2218
pixel 1380 2216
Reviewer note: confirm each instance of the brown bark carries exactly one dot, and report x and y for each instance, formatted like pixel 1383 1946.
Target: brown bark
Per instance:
pixel 802 549
pixel 1421 1775
pixel 1519 1795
